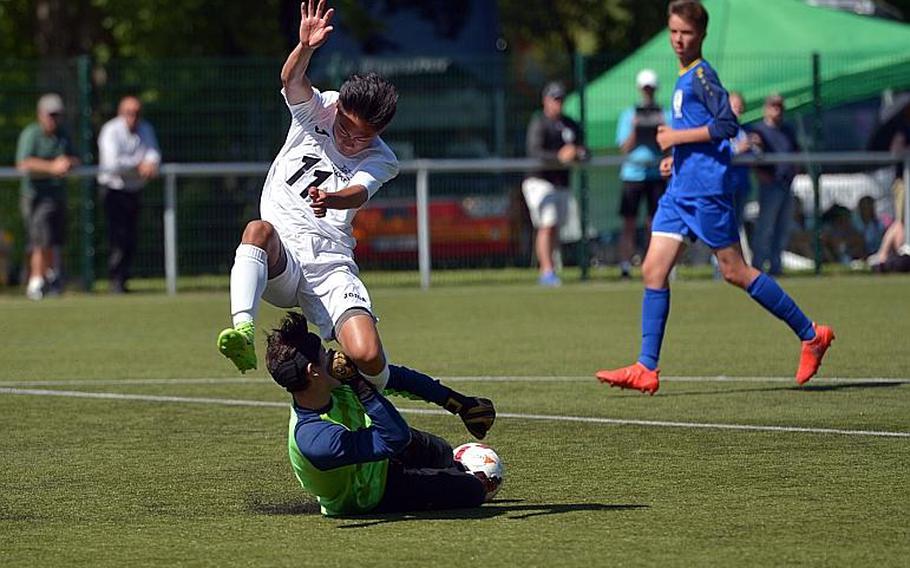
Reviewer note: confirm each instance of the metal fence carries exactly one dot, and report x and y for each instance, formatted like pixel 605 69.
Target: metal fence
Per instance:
pixel 437 215
pixel 229 110
pixel 212 112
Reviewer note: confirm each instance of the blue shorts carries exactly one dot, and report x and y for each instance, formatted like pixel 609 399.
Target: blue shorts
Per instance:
pixel 709 218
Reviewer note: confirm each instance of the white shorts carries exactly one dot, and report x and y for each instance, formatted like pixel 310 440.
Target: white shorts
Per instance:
pixel 547 203
pixel 321 278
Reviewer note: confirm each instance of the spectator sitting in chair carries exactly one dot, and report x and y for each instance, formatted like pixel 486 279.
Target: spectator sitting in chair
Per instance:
pixel 841 241
pixel 800 235
pixel 869 225
pixel 893 241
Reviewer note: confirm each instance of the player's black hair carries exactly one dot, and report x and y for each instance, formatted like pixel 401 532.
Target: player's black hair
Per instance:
pixel 691 11
pixel 371 97
pixel 290 347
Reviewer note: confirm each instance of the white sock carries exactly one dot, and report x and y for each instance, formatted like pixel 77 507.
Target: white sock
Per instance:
pixel 380 380
pixel 248 279
pixel 35 283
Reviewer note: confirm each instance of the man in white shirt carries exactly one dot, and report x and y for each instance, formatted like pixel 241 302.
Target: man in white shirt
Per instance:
pixel 301 252
pixel 128 157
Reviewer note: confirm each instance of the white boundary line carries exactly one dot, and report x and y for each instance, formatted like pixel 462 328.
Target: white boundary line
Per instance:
pixel 559 418
pixel 453 379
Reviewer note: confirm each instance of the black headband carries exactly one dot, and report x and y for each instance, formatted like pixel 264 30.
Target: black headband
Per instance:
pixel 292 374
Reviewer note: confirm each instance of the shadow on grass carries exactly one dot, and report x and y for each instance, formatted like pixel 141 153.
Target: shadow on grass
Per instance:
pixel 510 509
pixel 809 387
pixel 856 385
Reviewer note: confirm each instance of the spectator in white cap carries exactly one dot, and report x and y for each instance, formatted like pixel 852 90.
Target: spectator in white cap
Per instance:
pixel 45 153
pixel 636 136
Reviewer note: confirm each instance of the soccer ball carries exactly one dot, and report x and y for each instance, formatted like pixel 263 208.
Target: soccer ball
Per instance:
pixel 483 462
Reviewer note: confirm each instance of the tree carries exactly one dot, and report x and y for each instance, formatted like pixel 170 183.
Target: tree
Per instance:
pixel 552 32
pixel 139 28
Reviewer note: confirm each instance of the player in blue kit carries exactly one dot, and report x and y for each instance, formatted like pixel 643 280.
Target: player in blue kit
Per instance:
pixel 699 203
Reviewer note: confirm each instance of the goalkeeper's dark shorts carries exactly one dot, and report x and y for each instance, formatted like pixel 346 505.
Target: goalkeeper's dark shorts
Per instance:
pixel 424 476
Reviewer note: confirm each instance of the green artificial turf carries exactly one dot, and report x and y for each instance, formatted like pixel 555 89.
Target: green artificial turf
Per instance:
pixel 183 481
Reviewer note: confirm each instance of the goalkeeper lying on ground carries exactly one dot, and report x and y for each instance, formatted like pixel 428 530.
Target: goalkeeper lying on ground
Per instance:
pixel 348 444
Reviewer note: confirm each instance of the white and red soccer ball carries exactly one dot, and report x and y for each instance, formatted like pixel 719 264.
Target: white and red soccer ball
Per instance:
pixel 484 463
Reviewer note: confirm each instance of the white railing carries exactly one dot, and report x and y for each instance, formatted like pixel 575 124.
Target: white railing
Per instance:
pixel 423 169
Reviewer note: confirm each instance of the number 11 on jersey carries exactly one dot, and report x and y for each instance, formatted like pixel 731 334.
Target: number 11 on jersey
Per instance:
pixel 319 176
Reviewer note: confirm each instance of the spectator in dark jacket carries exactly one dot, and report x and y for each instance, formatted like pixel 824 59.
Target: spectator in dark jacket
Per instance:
pixel 555 138
pixel 775 198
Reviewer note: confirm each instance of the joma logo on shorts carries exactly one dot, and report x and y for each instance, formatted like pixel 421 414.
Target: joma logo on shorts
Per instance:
pixel 354 295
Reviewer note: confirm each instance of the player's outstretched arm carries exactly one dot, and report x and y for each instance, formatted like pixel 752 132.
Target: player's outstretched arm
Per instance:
pixel 314 31
pixel 478 414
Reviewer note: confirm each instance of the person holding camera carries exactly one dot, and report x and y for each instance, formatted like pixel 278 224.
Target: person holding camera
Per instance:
pixel 636 136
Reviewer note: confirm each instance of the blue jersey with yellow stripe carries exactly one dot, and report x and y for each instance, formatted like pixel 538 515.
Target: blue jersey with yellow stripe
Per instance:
pixel 699 99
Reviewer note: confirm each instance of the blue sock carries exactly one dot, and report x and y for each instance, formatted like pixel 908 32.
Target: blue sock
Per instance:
pixel 410 382
pixel 655 309
pixel 772 297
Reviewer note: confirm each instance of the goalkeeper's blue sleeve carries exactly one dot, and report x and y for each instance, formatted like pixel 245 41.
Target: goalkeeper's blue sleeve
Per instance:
pixel 328 445
pixel 409 381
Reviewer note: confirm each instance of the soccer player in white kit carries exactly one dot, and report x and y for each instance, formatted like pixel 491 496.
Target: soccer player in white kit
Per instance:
pixel 301 251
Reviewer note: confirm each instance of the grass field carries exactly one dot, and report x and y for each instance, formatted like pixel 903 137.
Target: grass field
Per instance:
pixel 127 440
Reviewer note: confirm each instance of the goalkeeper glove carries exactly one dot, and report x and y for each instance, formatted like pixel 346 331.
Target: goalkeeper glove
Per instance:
pixel 477 414
pixel 340 366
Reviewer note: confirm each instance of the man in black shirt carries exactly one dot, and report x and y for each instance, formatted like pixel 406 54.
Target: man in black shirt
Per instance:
pixel 556 138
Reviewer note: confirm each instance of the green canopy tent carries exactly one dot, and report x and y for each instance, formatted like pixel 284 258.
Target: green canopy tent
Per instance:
pixel 759 47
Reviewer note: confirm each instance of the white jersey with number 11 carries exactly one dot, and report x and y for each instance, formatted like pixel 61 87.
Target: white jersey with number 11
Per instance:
pixel 310 158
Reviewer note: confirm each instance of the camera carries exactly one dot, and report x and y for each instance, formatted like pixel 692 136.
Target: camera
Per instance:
pixel 647 119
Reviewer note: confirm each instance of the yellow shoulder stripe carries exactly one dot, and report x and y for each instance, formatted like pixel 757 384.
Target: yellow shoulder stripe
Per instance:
pixel 689 67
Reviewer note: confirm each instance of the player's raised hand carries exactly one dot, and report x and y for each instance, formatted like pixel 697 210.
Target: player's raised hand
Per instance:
pixel 317 201
pixel 314 23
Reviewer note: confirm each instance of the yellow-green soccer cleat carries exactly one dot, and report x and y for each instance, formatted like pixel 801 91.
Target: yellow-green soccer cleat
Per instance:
pixel 236 343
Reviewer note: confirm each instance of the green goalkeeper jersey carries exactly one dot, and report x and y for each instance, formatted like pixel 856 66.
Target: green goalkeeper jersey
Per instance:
pixel 340 453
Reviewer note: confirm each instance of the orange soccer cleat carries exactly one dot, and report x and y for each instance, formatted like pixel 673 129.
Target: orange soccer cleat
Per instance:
pixel 635 376
pixel 810 359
